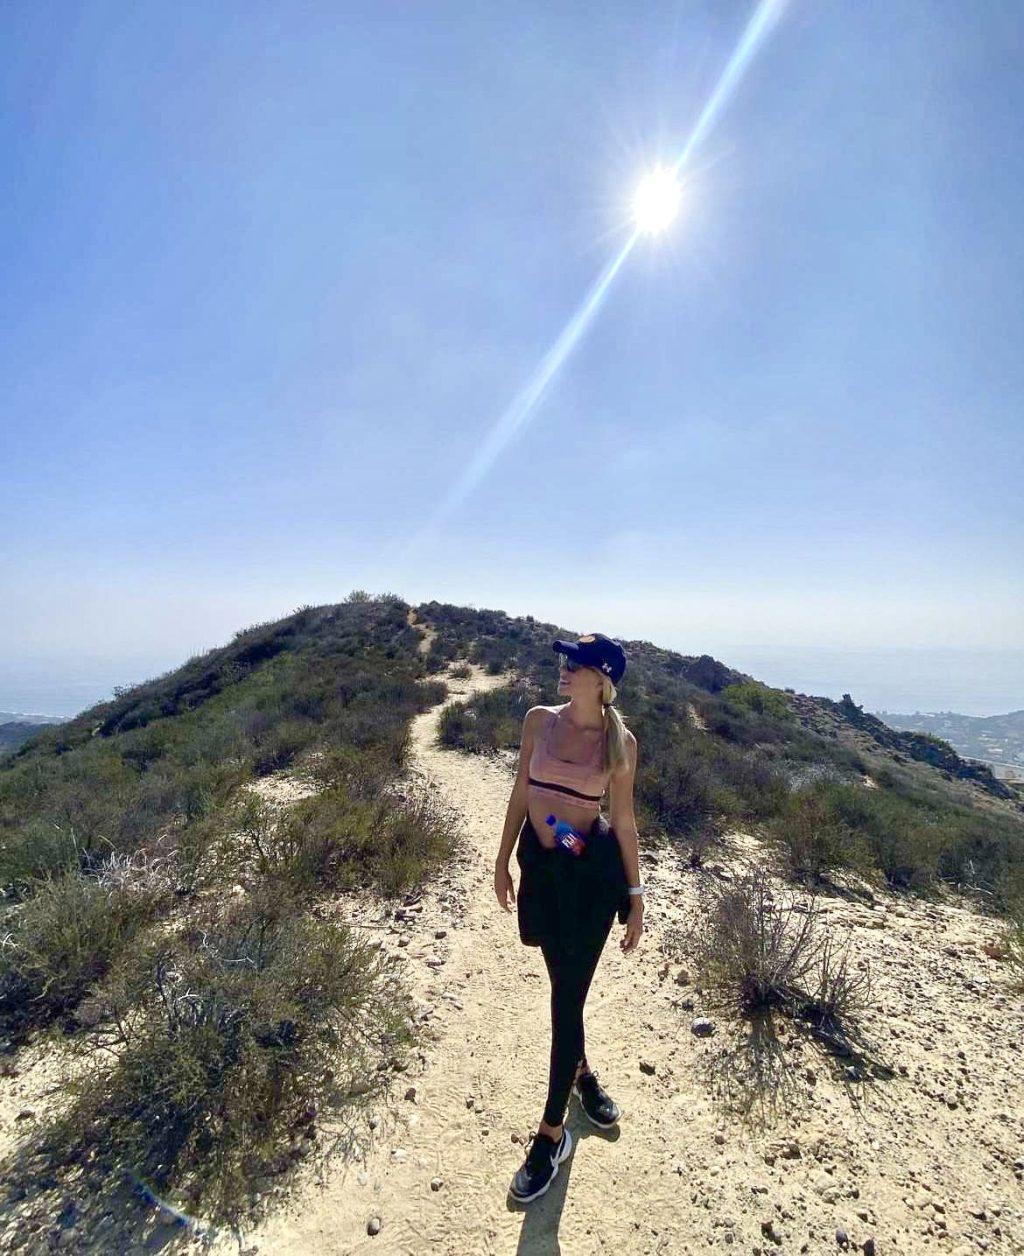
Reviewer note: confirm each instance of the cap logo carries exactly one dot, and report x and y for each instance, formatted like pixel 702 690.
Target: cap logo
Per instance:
pixel 589 637
pixel 606 667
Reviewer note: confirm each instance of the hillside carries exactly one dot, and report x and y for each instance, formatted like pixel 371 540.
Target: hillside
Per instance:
pixel 720 749
pixel 995 739
pixel 288 968
pixel 15 733
pixel 16 729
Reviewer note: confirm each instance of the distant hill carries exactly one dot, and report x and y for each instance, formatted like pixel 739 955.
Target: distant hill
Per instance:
pixel 14 733
pixel 16 727
pixel 24 717
pixel 997 739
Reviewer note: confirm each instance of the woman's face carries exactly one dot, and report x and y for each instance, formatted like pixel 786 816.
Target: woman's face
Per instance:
pixel 581 681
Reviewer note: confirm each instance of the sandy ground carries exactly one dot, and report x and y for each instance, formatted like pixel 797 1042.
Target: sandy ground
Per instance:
pixel 917 1154
pixel 922 1159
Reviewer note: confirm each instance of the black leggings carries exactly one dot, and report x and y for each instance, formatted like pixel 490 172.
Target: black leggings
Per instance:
pixel 570 975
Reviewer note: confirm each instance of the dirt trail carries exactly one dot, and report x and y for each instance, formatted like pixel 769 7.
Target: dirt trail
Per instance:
pixel 923 1160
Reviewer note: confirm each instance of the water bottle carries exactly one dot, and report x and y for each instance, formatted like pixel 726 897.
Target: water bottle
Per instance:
pixel 567 836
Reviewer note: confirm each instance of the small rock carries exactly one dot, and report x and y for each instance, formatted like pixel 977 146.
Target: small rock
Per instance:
pixel 769 1232
pixel 647 1068
pixel 373 1225
pixel 410 1094
pixel 702 1027
pixel 436 1183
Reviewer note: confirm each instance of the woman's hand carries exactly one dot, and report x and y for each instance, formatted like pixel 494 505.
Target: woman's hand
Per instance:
pixel 503 887
pixel 634 925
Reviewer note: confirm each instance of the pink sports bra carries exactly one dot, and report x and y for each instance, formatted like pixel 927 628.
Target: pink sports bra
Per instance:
pixel 583 784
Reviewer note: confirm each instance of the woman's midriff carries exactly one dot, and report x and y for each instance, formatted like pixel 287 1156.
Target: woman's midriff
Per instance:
pixel 581 818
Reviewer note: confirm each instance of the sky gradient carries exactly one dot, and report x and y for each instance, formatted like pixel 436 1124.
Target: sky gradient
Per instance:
pixel 272 275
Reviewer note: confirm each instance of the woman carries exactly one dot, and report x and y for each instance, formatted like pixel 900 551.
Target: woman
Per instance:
pixel 569 755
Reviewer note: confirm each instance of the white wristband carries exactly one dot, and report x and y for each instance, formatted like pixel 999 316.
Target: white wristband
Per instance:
pixel 637 889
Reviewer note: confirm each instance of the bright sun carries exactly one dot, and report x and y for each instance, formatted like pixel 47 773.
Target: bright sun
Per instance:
pixel 656 201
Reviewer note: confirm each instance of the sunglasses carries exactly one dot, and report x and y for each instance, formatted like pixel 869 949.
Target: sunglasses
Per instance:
pixel 569 664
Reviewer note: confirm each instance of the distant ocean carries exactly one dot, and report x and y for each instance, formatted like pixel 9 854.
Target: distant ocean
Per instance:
pixel 40 687
pixel 971 682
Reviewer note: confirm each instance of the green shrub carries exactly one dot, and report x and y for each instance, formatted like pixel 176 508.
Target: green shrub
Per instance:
pixel 223 1045
pixel 753 696
pixel 1013 941
pixel 490 721
pixel 69 930
pixel 363 774
pixel 813 838
pixel 334 841
pixel 904 842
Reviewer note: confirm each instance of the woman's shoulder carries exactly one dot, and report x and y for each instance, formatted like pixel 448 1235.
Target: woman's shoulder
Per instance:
pixel 538 716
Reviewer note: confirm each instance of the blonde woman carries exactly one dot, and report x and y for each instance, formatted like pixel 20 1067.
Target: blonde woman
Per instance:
pixel 569 756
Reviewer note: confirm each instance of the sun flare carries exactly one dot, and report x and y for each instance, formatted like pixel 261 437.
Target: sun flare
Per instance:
pixel 656 201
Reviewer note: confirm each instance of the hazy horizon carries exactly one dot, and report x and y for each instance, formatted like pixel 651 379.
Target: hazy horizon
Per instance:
pixel 900 680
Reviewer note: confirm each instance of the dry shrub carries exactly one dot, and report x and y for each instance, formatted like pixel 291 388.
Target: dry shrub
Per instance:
pixel 1013 942
pixel 754 954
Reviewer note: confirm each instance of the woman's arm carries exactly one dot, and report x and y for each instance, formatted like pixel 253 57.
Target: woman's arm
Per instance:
pixel 623 821
pixel 517 803
pixel 621 816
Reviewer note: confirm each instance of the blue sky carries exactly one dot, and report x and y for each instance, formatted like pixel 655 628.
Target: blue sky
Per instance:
pixel 272 274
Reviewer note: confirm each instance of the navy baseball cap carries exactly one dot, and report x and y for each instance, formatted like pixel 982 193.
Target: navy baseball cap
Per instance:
pixel 596 650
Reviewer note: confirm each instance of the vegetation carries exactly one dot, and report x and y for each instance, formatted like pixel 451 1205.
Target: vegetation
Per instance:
pixel 222 1044
pixel 69 928
pixel 831 786
pixel 755 956
pixel 153 906
pixel 334 841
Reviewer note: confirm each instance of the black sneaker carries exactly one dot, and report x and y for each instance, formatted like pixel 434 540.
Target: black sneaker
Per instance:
pixel 600 1107
pixel 540 1167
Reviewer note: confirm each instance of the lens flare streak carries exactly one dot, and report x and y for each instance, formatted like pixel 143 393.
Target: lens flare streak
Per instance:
pixel 518 414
